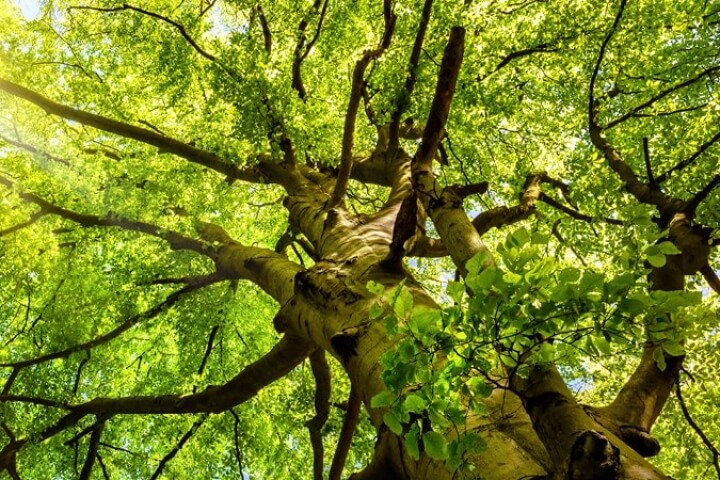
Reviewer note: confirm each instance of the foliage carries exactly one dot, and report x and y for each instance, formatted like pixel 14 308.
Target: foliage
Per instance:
pixel 569 286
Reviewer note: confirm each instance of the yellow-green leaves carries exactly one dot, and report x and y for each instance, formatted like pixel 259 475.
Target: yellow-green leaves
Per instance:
pixel 655 254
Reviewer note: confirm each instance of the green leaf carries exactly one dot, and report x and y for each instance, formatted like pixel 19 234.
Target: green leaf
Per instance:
pixel 602 344
pixel 375 288
pixel 673 348
pixel 425 321
pixel 383 399
pixel 406 350
pixel 412 442
pixel 456 291
pixel 392 421
pixel 657 261
pixel 668 248
pixel 479 387
pixel 414 403
pixel 659 357
pixel 481 282
pixel 569 275
pixel 375 311
pixel 403 303
pixel 390 323
pixel 435 445
pixel 477 262
pixel 518 238
pixel 437 417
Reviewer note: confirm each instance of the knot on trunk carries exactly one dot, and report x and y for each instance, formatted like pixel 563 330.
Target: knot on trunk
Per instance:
pixel 344 342
pixel 640 441
pixel 593 457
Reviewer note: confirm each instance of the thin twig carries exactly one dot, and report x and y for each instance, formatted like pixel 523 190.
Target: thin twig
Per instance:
pixel 321 372
pixel 346 435
pixel 208 349
pixel 698 198
pixel 183 440
pixel 346 159
pixel 714 451
pixel 691 159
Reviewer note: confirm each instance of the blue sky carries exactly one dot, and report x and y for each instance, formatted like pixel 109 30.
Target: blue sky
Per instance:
pixel 29 8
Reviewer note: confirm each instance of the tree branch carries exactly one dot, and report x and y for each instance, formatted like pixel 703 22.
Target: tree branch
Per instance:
pixel 34 401
pixel 443 205
pixel 321 372
pixel 601 55
pixel 180 28
pixel 346 435
pixel 300 54
pixel 543 197
pixel 183 440
pixel 33 218
pixel 29 148
pixel 284 356
pixel 208 349
pixel 698 198
pixel 662 94
pixel 346 158
pixel 641 191
pixel 706 441
pixel 544 47
pixel 711 277
pixel 267 34
pixel 648 165
pixel 163 143
pixel 500 216
pixel 92 451
pixel 176 240
pixel 690 160
pixel 169 301
pixel 403 102
pixel 440 108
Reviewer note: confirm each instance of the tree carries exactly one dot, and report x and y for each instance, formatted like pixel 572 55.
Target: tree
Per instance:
pixel 492 224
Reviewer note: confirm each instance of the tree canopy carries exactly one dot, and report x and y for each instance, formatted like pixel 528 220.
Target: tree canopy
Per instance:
pixel 397 239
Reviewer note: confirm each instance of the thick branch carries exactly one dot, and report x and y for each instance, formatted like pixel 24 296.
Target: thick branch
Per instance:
pixel 444 205
pixel 440 108
pixel 285 355
pixel 269 270
pixel 500 216
pixel 92 451
pixel 163 143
